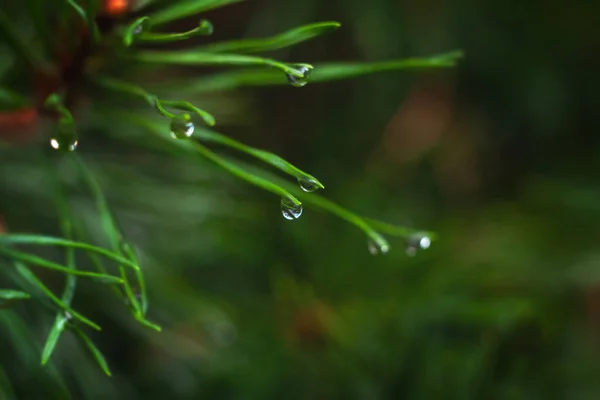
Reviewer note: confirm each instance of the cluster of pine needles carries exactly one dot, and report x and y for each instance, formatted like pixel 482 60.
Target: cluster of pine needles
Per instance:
pixel 76 67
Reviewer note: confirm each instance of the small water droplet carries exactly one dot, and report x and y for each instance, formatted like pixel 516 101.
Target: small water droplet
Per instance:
pixel 299 81
pixel 308 184
pixel 182 127
pixel 417 242
pixel 64 140
pixel 289 210
pixel 377 248
pixel 142 26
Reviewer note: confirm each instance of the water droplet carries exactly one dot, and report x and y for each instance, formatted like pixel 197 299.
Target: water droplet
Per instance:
pixel 182 127
pixel 299 81
pixel 64 140
pixel 289 210
pixel 417 242
pixel 377 248
pixel 309 184
pixel 143 25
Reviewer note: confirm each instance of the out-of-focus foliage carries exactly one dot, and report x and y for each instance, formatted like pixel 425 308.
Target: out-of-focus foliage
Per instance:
pixel 498 157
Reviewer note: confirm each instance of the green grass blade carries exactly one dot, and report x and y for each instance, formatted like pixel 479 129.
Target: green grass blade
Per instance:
pixel 127 250
pixel 134 29
pixel 40 240
pixel 128 88
pixel 96 353
pixel 348 216
pixel 34 281
pixel 95 260
pixel 229 166
pixel 204 28
pixel 40 262
pixel 139 307
pixel 315 201
pixel 265 156
pixel 241 173
pixel 282 40
pixel 67 230
pixel 88 15
pixel 154 101
pixel 62 318
pixel 227 81
pixel 338 71
pixel 116 239
pixel 372 228
pixel 78 9
pixel 194 57
pixel 57 328
pixel 186 8
pixel 129 293
pixel 187 106
pixel 109 227
pixel 147 323
pixel 321 73
pixel 107 221
pixel 8 294
pixel 71 280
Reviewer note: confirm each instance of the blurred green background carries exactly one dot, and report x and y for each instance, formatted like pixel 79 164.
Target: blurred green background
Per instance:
pixel 499 156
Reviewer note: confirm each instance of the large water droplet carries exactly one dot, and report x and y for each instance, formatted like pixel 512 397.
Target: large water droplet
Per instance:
pixel 299 81
pixel 309 184
pixel 417 242
pixel 377 248
pixel 64 140
pixel 182 127
pixel 289 210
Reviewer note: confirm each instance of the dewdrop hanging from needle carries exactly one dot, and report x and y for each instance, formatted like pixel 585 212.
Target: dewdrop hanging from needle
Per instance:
pixel 182 127
pixel 417 242
pixel 304 71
